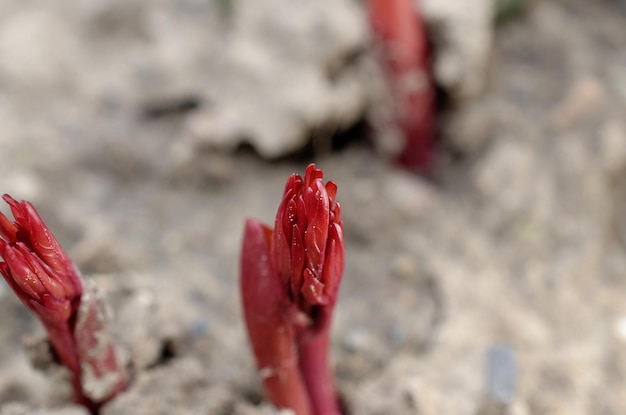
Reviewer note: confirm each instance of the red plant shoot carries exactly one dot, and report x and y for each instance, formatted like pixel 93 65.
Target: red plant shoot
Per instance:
pixel 400 32
pixel 290 278
pixel 44 278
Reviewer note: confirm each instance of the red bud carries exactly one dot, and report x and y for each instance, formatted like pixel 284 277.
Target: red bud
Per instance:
pixel 36 267
pixel 44 278
pixel 289 283
pixel 308 230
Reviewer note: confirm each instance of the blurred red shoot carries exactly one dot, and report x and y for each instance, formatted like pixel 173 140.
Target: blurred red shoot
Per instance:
pixel 44 278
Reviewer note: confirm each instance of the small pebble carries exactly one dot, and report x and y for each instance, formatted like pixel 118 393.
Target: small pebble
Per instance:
pixel 583 100
pixel 404 266
pixel 398 334
pixel 356 340
pixel 501 375
pixel 620 328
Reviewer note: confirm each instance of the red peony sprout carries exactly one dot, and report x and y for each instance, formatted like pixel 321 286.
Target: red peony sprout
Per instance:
pixel 46 281
pixel 400 32
pixel 289 281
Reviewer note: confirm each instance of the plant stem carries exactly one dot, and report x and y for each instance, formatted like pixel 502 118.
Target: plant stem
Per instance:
pixel 268 316
pixel 281 376
pixel 64 346
pixel 313 346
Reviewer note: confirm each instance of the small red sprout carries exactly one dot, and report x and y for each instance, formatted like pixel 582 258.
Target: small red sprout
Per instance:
pixel 400 32
pixel 46 281
pixel 289 284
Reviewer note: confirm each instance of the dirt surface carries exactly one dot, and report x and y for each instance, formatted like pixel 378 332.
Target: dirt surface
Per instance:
pixel 495 286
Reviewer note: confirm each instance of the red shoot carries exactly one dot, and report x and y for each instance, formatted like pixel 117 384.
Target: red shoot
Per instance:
pixel 289 282
pixel 46 281
pixel 405 57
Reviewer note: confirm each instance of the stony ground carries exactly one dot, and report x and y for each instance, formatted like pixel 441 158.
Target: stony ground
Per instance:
pixel 496 285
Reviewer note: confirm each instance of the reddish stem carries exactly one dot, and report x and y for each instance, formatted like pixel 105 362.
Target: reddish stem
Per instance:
pixel 99 366
pixel 269 317
pixel 313 345
pixel 405 56
pixel 64 346
pixel 78 346
pixel 280 372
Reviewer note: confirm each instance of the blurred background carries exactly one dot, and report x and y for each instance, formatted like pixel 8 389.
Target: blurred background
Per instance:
pixel 489 280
